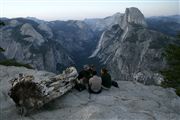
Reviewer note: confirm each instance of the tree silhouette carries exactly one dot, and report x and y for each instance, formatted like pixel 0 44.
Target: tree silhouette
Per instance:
pixel 2 23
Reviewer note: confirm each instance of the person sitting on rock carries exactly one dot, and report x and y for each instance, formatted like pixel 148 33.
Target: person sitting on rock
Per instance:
pixel 106 79
pixel 95 84
pixel 83 78
pixel 84 75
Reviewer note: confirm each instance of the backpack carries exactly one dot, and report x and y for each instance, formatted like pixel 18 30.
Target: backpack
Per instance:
pixel 115 84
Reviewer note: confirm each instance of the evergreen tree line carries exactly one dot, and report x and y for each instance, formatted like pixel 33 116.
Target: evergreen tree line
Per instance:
pixel 172 72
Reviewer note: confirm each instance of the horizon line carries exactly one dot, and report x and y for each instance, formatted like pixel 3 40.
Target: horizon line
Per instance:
pixel 81 19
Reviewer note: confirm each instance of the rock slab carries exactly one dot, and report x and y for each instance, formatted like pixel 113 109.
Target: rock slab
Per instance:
pixel 132 101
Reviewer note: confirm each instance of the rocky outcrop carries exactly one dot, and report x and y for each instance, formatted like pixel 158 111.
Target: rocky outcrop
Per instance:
pixel 131 101
pixel 131 51
pixel 134 15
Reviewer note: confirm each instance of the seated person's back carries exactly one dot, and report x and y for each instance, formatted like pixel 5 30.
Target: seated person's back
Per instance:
pixel 106 78
pixel 95 84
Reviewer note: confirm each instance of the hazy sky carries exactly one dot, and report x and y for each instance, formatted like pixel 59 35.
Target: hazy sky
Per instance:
pixel 80 9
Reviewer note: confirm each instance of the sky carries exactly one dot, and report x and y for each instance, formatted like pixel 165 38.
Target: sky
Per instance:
pixel 81 9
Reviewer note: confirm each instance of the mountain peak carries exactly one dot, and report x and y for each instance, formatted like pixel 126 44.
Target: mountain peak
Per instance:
pixel 134 15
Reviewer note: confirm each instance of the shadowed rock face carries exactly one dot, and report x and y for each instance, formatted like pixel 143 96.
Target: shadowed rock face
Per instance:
pixel 131 101
pixel 27 42
pixel 131 51
pixel 75 36
pixel 50 46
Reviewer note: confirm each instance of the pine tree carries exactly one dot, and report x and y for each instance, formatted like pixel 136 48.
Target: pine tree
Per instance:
pixel 1 49
pixel 2 23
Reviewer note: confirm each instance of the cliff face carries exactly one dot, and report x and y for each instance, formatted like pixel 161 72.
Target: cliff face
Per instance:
pixel 27 43
pixel 131 101
pixel 131 51
pixel 49 46
pixel 134 15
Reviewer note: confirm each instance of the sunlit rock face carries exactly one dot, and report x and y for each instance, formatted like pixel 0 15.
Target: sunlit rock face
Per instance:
pixel 131 51
pixel 134 15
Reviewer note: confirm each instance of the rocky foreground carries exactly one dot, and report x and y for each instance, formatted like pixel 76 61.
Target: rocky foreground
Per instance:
pixel 132 101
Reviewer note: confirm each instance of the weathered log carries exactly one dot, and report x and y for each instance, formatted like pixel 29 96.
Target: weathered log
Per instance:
pixel 29 93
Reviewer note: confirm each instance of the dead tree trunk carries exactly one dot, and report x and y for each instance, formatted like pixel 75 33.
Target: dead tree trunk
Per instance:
pixel 29 93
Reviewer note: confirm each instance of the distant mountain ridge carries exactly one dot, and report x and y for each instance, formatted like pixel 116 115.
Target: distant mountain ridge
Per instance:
pixel 169 25
pixel 125 43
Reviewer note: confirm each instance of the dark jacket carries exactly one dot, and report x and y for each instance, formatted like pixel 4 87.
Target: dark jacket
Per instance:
pixel 106 80
pixel 83 74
